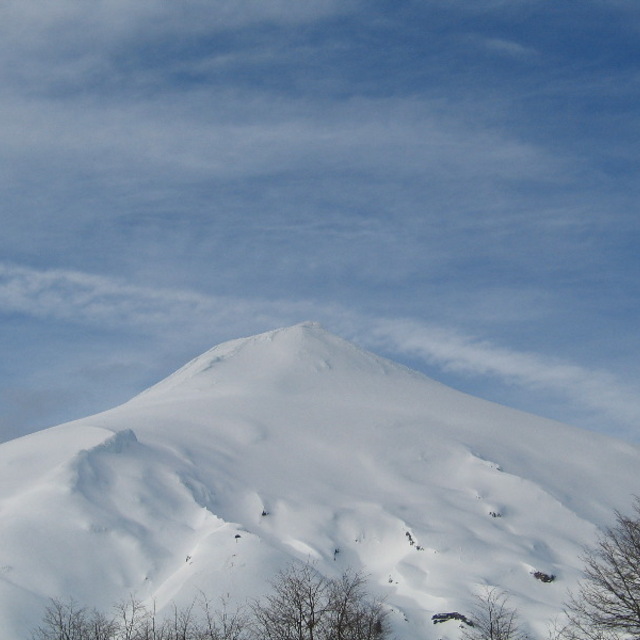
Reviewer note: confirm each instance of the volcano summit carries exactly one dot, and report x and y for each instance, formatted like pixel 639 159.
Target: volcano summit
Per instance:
pixel 298 445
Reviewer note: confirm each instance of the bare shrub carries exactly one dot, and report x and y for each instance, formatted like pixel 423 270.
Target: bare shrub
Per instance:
pixel 493 618
pixel 303 605
pixel 220 623
pixel 66 620
pixel 296 608
pixel 353 614
pixel 607 603
pixel 62 621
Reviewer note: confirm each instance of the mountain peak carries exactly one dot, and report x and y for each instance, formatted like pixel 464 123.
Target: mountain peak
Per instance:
pixel 283 357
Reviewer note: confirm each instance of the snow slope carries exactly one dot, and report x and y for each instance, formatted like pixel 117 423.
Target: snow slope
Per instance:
pixel 355 461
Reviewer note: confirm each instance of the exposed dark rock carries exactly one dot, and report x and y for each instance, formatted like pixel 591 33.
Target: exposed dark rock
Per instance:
pixel 543 577
pixel 453 615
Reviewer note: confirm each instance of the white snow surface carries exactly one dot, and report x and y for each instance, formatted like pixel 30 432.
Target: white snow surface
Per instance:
pixel 347 453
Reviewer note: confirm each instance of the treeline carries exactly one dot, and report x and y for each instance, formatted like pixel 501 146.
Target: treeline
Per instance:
pixel 302 605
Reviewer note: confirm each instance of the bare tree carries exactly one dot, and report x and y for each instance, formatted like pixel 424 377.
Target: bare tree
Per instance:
pixel 132 620
pixel 99 626
pixel 182 624
pixel 493 618
pixel 353 614
pixel 66 620
pixel 304 605
pixel 297 607
pixel 222 624
pixel 607 603
pixel 62 620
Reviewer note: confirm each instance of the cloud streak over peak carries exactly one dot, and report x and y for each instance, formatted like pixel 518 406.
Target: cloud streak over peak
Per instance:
pixel 598 390
pixel 174 175
pixel 85 299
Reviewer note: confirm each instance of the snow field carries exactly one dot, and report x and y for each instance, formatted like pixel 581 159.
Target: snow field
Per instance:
pixel 296 445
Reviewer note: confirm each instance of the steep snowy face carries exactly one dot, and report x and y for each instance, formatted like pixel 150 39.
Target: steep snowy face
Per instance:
pixel 295 444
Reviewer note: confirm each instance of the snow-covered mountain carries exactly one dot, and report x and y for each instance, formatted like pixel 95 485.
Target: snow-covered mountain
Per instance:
pixel 297 444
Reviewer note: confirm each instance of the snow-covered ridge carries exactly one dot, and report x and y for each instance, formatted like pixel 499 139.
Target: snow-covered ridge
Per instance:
pixel 302 349
pixel 296 444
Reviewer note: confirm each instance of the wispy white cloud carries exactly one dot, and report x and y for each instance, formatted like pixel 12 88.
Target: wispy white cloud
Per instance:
pixel 30 23
pixel 70 164
pixel 81 298
pixel 178 133
pixel 69 44
pixel 509 48
pixel 597 390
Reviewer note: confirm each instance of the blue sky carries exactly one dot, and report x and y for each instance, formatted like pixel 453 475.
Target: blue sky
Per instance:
pixel 452 184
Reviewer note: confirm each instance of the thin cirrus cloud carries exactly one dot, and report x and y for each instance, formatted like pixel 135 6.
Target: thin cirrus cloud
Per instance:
pixel 87 299
pixel 112 304
pixel 378 134
pixel 509 48
pixel 33 23
pixel 358 156
pixel 60 48
pixel 596 389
